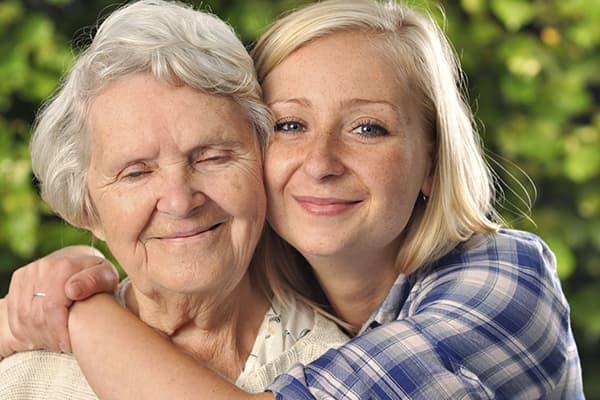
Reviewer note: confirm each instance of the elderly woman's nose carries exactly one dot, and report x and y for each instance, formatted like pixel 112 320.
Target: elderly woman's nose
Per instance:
pixel 322 157
pixel 178 198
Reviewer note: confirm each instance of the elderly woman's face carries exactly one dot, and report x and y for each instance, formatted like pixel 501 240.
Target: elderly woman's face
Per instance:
pixel 349 154
pixel 175 177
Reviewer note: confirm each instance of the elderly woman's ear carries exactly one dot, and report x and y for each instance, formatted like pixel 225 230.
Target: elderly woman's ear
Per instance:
pixel 98 232
pixel 92 222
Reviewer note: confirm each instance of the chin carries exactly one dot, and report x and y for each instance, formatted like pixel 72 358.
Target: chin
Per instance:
pixel 320 249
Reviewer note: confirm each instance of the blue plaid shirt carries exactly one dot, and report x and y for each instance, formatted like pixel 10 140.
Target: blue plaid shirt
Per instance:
pixel 487 321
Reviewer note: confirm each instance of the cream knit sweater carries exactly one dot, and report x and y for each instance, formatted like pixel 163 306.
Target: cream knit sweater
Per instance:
pixel 42 375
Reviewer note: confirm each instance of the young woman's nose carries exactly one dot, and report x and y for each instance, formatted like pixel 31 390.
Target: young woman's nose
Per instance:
pixel 322 158
pixel 179 198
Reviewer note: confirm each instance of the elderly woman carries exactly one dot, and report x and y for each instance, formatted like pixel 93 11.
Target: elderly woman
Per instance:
pixel 151 143
pixel 375 176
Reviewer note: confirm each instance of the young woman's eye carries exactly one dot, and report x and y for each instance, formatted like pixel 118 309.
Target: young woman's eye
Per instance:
pixel 289 127
pixel 369 129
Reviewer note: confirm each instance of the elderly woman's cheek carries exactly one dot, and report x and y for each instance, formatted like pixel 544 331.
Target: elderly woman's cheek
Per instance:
pixel 247 189
pixel 123 212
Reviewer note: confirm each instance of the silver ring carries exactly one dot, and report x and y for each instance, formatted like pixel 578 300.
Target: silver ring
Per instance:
pixel 39 294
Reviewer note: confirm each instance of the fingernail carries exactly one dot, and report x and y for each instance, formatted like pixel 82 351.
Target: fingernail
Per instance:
pixel 109 276
pixel 74 290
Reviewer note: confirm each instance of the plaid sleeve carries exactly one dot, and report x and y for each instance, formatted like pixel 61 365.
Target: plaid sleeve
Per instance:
pixel 489 322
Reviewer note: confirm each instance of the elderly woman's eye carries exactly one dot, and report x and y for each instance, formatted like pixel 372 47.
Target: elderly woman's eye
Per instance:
pixel 134 174
pixel 289 127
pixel 210 160
pixel 369 129
pixel 212 157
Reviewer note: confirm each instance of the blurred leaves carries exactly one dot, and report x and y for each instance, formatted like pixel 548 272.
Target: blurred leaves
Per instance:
pixel 533 79
pixel 514 14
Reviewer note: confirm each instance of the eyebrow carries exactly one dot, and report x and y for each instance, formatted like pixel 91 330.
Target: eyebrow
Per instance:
pixel 348 103
pixel 367 102
pixel 299 101
pixel 193 151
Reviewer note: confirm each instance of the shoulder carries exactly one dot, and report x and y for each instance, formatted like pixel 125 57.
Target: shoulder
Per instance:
pixel 506 257
pixel 301 336
pixel 326 333
pixel 508 268
pixel 41 374
pixel 312 342
pixel 516 247
pixel 308 327
pixel 504 284
pixel 499 293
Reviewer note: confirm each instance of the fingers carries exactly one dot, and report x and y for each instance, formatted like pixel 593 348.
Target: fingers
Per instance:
pixel 41 321
pixel 48 324
pixel 56 322
pixel 6 338
pixel 29 314
pixel 17 307
pixel 101 277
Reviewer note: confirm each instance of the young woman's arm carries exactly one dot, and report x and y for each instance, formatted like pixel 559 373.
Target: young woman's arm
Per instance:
pixel 139 363
pixel 490 322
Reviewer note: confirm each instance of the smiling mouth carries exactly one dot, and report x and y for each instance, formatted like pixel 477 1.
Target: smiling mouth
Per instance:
pixel 191 233
pixel 322 206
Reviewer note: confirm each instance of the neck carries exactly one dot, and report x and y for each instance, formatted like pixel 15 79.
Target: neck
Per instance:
pixel 218 329
pixel 355 285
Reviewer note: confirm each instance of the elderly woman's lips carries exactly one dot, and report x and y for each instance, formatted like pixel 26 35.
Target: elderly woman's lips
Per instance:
pixel 325 206
pixel 190 233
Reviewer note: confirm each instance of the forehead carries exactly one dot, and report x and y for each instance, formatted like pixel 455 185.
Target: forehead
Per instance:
pixel 351 63
pixel 138 110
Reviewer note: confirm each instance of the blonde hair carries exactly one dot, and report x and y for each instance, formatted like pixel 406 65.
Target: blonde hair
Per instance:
pixel 178 45
pixel 462 196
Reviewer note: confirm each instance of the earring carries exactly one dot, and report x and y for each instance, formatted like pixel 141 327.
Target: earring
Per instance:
pixel 424 198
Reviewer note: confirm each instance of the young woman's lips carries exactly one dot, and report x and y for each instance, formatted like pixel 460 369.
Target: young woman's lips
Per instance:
pixel 325 206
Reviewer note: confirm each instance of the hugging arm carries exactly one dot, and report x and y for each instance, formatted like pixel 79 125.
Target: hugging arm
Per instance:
pixel 75 273
pixel 138 361
pixel 476 328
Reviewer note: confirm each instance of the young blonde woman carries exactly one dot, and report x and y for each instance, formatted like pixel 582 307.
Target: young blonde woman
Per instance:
pixel 375 177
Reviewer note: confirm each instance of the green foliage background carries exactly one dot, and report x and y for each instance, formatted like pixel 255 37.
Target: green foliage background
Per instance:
pixel 533 72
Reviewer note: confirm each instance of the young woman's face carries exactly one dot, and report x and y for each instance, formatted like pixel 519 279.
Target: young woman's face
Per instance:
pixel 349 154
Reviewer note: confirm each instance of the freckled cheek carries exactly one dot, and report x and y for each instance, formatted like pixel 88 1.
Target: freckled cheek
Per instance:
pixel 378 166
pixel 389 173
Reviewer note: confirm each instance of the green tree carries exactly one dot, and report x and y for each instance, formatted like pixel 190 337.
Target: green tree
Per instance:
pixel 533 81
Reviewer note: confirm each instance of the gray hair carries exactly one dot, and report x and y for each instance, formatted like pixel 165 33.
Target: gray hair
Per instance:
pixel 178 45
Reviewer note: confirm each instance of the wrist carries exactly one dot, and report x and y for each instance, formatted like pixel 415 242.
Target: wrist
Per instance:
pixel 81 312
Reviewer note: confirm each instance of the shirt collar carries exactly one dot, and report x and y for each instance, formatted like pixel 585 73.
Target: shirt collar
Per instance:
pixel 391 306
